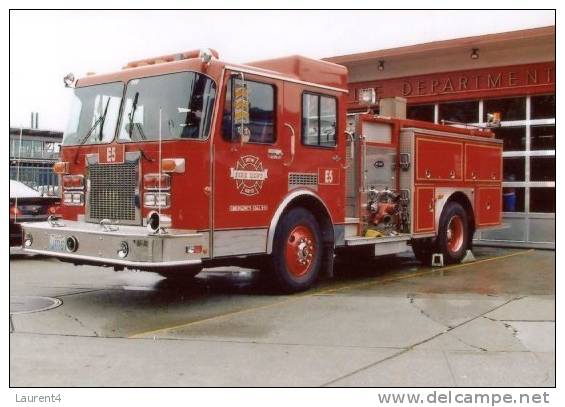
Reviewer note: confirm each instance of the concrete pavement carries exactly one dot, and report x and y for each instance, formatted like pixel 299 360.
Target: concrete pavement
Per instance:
pixel 390 322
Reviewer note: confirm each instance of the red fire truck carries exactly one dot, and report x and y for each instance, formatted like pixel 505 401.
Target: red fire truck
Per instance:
pixel 180 161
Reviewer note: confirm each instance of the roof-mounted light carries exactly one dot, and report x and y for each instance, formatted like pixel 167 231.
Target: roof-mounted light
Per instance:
pixel 206 55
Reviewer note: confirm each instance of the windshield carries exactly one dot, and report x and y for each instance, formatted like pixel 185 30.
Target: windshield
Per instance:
pixel 185 101
pixel 94 114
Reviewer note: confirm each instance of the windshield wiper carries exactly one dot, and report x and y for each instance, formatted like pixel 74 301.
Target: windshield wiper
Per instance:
pixel 95 125
pixel 131 116
pixel 100 135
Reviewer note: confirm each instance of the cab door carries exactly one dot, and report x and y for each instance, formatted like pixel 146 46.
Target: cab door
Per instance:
pixel 248 163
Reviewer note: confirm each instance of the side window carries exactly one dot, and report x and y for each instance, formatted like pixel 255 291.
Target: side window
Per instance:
pixel 261 124
pixel 319 120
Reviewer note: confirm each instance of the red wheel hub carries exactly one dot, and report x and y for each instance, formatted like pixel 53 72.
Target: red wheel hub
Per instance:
pixel 301 249
pixel 455 232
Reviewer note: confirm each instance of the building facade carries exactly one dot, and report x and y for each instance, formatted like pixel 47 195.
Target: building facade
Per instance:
pixel 460 82
pixel 32 155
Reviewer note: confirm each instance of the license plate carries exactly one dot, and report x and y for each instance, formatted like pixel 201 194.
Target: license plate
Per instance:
pixel 57 243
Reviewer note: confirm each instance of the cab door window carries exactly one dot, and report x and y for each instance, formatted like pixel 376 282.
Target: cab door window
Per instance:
pixel 261 125
pixel 319 120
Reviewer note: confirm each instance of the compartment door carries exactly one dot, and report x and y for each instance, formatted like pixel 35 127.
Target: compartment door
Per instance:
pixel 483 163
pixel 438 160
pixel 488 206
pixel 424 209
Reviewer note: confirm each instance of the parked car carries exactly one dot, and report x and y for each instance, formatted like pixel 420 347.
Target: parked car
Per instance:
pixel 27 205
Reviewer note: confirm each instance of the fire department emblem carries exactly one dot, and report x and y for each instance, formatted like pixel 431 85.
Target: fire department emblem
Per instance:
pixel 248 175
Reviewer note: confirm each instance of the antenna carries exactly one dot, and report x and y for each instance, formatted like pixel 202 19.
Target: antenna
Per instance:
pixel 18 174
pixel 160 164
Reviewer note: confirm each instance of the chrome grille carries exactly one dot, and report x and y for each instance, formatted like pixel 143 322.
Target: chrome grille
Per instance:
pixel 112 192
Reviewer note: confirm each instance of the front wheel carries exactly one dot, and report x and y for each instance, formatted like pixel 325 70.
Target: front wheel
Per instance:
pixel 453 233
pixel 297 251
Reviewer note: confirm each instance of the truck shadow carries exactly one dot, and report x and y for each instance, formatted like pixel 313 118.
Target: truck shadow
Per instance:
pixel 247 281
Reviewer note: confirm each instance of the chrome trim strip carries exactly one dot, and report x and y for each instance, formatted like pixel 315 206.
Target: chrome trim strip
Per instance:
pixel 124 231
pixel 239 241
pixel 422 235
pixel 275 220
pixel 116 261
pixel 361 241
pixel 454 135
pixel 283 78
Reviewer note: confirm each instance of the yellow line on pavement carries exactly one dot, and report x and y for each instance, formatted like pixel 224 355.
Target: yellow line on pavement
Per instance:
pixel 328 291
pixel 421 273
pixel 228 314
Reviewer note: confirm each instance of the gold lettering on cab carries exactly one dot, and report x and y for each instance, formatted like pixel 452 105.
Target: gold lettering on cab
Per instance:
pixel 248 208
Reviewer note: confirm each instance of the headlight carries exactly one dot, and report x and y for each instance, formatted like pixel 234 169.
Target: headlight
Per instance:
pixel 123 250
pixel 77 198
pixel 156 200
pixel 28 240
pixel 162 200
pixel 73 198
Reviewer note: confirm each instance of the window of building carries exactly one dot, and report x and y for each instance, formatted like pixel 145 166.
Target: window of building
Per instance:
pixel 542 200
pixel 262 104
pixel 13 147
pixel 542 137
pixel 459 112
pixel 542 107
pixel 421 112
pixel 514 138
pixel 319 120
pixel 542 168
pixel 514 169
pixel 510 109
pixel 26 148
pixel 37 148
pixel 513 199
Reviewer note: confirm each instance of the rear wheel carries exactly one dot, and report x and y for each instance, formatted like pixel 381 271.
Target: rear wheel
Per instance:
pixel 453 233
pixel 297 251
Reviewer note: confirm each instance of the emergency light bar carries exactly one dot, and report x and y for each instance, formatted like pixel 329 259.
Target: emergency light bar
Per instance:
pixel 197 53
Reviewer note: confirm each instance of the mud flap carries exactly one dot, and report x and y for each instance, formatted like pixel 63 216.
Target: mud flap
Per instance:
pixel 328 257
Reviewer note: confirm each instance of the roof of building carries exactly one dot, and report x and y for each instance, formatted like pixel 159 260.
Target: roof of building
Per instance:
pixel 439 46
pixel 26 131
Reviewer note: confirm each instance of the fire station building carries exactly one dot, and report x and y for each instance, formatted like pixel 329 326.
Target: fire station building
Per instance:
pixel 462 80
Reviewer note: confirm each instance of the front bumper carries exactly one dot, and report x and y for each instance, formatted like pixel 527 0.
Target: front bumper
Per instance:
pixel 175 248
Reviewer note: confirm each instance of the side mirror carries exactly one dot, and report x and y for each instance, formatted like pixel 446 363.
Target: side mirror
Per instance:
pixel 69 80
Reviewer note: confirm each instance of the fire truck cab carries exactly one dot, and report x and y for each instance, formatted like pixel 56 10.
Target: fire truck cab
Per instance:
pixel 183 160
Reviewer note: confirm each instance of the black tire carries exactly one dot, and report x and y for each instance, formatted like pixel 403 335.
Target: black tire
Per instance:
pixel 295 229
pixel 453 234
